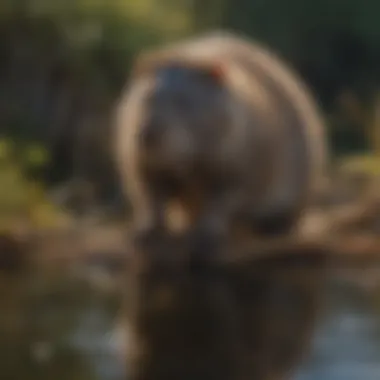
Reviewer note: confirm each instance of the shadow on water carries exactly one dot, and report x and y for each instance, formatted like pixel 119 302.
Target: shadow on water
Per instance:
pixel 62 327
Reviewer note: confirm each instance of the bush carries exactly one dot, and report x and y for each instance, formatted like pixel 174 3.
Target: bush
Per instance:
pixel 22 197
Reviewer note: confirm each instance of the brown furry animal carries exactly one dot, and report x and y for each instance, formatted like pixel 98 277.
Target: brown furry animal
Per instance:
pixel 238 322
pixel 223 127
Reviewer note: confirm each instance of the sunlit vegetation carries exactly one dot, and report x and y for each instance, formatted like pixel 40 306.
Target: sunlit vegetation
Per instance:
pixel 64 62
pixel 22 199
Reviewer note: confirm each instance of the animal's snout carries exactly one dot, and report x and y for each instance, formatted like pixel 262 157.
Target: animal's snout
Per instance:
pixel 167 141
pixel 150 135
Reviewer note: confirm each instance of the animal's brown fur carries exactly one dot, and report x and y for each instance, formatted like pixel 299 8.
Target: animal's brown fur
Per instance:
pixel 266 173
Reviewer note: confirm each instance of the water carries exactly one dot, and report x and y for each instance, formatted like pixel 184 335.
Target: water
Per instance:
pixel 63 327
pixel 346 345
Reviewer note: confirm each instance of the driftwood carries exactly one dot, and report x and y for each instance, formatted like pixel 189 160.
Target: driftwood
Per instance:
pixel 345 233
pixel 348 233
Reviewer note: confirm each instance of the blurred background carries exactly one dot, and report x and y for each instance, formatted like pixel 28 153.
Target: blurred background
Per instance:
pixel 63 64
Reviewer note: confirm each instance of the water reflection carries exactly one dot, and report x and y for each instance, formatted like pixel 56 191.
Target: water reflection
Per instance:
pixel 55 329
pixel 347 340
pixel 63 328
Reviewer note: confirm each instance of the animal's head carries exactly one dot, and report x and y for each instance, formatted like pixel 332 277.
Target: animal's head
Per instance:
pixel 186 110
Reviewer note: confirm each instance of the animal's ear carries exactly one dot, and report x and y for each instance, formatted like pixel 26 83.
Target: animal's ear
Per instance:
pixel 216 72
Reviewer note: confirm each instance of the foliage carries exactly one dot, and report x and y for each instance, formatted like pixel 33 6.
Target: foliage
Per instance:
pixel 22 199
pixel 367 164
pixel 64 62
pixel 333 43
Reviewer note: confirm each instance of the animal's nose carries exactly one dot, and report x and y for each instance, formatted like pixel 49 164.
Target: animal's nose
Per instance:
pixel 149 135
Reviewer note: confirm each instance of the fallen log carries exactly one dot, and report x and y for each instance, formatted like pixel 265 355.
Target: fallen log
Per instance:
pixel 346 233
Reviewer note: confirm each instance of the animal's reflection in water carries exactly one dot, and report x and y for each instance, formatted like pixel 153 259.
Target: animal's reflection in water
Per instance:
pixel 53 326
pixel 243 321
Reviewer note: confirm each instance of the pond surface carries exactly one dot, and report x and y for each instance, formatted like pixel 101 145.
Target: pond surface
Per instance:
pixel 347 339
pixel 62 327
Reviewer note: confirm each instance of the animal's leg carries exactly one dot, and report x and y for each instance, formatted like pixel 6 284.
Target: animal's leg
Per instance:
pixel 276 219
pixel 149 226
pixel 210 232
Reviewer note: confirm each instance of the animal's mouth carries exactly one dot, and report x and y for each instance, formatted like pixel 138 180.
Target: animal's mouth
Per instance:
pixel 173 150
pixel 163 160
